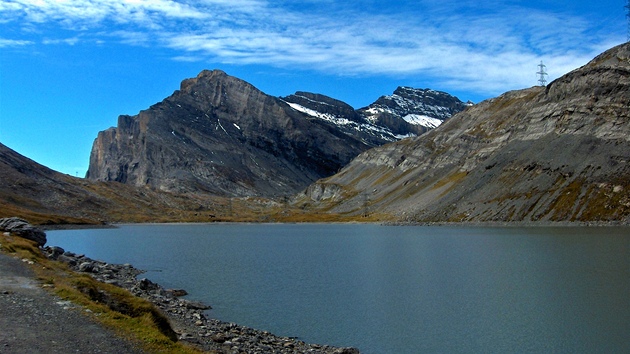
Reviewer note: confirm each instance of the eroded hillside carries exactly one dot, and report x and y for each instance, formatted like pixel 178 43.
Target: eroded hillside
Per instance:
pixel 555 153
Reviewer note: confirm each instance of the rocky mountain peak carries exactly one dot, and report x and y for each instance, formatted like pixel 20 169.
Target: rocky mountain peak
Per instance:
pixel 212 89
pixel 411 104
pixel 411 110
pixel 221 135
pixel 205 75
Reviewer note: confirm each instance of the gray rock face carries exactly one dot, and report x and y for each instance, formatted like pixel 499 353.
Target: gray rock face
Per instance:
pixel 22 228
pixel 555 153
pixel 221 135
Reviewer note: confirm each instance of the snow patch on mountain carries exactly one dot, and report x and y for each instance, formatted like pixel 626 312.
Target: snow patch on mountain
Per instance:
pixel 325 116
pixel 407 112
pixel 368 127
pixel 423 120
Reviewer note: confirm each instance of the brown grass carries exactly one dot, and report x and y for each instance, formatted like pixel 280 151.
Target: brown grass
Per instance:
pixel 131 317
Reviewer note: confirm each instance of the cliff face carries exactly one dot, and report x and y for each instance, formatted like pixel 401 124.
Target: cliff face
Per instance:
pixel 220 135
pixel 555 153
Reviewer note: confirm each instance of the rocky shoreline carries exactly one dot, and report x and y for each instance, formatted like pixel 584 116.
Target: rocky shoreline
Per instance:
pixel 188 318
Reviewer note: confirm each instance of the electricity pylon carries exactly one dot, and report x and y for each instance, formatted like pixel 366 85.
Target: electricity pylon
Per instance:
pixel 542 73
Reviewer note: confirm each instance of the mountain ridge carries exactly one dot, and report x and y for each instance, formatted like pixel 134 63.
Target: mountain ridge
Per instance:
pixel 554 153
pixel 219 134
pixel 541 155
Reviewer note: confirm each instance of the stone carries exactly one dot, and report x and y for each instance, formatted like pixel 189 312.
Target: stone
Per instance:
pixel 177 292
pixel 145 284
pixel 87 267
pixel 55 252
pixel 22 228
pixel 66 259
pixel 219 338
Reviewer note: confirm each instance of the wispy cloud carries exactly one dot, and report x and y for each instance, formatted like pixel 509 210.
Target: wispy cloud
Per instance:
pixel 494 49
pixel 68 41
pixel 13 43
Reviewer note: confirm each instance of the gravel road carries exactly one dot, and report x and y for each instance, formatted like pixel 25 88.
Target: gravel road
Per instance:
pixel 32 320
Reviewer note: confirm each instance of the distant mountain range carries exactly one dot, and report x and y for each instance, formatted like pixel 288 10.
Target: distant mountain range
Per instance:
pixel 220 135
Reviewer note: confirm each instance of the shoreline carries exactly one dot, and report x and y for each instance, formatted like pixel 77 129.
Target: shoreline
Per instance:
pixel 616 223
pixel 523 224
pixel 188 318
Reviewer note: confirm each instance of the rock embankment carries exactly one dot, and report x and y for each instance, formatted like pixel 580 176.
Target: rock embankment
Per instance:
pixel 187 317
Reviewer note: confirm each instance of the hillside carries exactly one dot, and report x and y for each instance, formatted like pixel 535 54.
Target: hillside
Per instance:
pixel 220 135
pixel 554 153
pixel 44 196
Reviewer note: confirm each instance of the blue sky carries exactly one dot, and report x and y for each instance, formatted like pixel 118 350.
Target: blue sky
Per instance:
pixel 69 68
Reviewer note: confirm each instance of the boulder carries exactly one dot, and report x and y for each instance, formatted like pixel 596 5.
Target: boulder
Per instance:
pixel 22 228
pixel 87 267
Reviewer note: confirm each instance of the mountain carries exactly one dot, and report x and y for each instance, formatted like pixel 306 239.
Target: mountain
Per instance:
pixel 38 193
pixel 407 112
pixel 554 153
pixel 220 135
pixel 412 111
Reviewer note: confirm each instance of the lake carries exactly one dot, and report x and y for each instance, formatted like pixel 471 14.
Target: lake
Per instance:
pixel 393 289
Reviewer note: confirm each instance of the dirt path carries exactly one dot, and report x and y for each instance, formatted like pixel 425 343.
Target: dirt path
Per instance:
pixel 34 321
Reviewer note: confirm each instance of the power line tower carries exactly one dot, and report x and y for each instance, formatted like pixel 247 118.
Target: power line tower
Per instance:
pixel 542 73
pixel 366 205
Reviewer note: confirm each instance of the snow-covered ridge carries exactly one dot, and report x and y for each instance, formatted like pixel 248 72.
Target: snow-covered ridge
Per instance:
pixel 407 112
pixel 380 131
pixel 316 114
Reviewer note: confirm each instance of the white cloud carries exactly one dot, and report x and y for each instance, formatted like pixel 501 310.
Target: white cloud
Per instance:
pixel 13 43
pixel 68 41
pixel 491 50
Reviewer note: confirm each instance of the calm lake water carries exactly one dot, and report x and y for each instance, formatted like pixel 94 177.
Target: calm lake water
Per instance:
pixel 391 289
